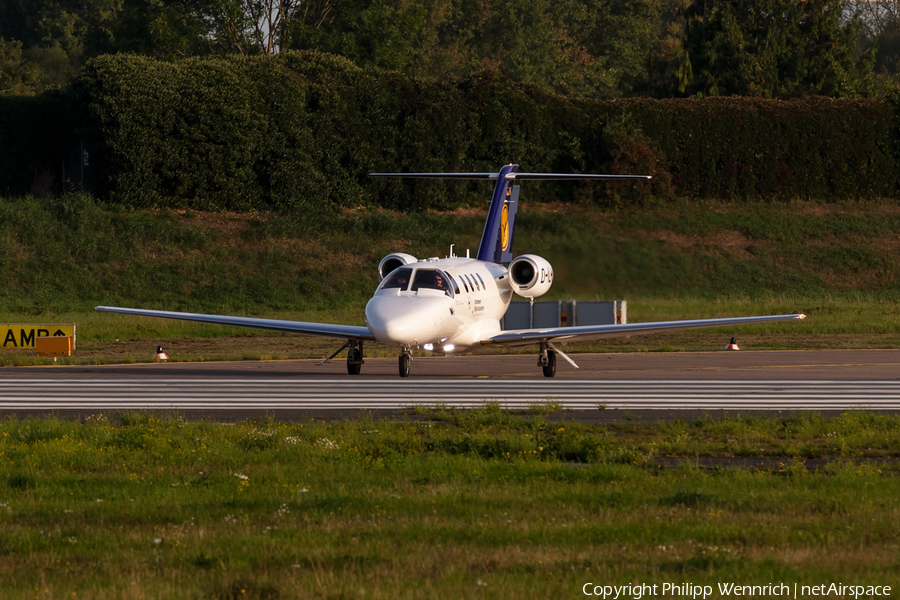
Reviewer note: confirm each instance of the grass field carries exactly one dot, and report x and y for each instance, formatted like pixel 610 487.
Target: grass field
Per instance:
pixel 72 253
pixel 448 504
pixel 836 263
pixel 60 257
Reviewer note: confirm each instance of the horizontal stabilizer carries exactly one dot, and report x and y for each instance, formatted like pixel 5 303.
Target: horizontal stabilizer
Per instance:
pixel 570 176
pixel 510 176
pixel 438 175
pixel 496 240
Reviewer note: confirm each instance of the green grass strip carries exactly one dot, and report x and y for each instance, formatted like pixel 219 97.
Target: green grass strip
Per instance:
pixel 450 503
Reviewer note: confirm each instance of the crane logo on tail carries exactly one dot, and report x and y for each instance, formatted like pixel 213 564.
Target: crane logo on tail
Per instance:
pixel 504 228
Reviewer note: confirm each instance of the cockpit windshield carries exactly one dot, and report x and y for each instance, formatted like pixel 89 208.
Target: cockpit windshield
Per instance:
pixel 432 279
pixel 398 279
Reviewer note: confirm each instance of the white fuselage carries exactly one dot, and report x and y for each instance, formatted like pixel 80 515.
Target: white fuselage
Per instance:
pixel 411 311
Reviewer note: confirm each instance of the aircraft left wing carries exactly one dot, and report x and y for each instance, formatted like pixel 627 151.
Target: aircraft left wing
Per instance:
pixel 349 332
pixel 524 337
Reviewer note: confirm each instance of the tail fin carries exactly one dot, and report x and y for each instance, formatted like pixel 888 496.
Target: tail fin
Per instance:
pixel 496 241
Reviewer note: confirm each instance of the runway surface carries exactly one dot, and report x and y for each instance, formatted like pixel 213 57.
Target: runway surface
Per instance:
pixel 580 394
pixel 881 365
pixel 605 385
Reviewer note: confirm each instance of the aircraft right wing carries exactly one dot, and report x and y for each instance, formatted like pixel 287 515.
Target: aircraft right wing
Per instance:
pixel 349 332
pixel 525 337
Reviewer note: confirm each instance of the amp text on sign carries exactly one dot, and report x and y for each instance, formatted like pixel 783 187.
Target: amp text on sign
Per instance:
pixel 22 335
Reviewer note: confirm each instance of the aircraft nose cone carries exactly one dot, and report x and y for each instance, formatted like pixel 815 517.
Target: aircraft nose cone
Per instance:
pixel 406 320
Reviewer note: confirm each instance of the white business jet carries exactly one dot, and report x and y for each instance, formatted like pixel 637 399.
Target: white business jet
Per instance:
pixel 454 304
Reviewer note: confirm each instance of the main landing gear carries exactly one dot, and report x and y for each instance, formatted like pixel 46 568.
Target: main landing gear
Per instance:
pixel 547 360
pixel 355 358
pixel 405 359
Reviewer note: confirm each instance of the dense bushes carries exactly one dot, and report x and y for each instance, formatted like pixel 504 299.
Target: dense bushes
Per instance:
pixel 301 131
pixel 737 148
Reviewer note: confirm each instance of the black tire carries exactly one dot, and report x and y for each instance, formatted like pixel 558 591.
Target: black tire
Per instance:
pixel 353 362
pixel 550 368
pixel 404 365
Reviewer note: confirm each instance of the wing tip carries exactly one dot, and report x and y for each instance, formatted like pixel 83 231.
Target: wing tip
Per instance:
pixel 801 316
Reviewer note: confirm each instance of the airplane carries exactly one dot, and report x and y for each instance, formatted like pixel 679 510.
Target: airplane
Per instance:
pixel 452 305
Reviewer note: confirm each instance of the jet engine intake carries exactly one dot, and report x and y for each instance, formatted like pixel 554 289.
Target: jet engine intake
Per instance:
pixel 530 275
pixel 393 261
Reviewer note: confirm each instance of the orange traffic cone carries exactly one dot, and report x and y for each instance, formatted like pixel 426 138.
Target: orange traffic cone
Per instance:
pixel 160 355
pixel 732 345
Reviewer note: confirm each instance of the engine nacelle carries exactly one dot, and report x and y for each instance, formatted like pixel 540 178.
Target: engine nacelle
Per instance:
pixel 393 261
pixel 530 275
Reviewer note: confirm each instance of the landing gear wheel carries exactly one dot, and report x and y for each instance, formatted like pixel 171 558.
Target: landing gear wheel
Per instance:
pixel 404 364
pixel 354 361
pixel 550 367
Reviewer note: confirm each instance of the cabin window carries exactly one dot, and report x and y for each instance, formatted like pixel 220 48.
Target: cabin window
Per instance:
pixel 465 283
pixel 470 282
pixel 481 281
pixel 398 279
pixel 432 279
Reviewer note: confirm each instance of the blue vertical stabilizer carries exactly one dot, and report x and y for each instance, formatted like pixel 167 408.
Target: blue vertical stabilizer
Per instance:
pixel 496 241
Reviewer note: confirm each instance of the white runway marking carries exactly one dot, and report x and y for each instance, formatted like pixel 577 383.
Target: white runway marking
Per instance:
pixel 349 393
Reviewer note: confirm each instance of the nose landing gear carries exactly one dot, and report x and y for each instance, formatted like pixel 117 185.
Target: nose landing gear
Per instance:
pixel 355 359
pixel 405 359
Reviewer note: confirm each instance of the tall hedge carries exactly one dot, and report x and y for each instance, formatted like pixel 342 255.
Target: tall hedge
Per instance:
pixel 301 131
pixel 814 147
pixel 201 133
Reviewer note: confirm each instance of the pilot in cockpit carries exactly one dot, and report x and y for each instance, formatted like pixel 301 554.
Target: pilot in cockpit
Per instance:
pixel 431 279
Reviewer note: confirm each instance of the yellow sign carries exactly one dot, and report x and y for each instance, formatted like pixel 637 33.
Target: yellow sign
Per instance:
pixel 22 335
pixel 504 228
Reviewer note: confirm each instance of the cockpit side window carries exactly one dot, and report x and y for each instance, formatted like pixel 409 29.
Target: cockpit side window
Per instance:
pixel 398 279
pixel 432 279
pixel 455 285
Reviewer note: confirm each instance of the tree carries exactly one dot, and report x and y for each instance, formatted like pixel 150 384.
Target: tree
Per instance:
pixel 378 33
pixel 880 31
pixel 16 76
pixel 774 49
pixel 249 26
pixel 599 48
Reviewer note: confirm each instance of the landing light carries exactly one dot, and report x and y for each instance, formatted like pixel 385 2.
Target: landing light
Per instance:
pixel 449 348
pixel 428 347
